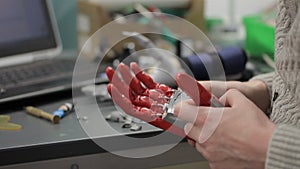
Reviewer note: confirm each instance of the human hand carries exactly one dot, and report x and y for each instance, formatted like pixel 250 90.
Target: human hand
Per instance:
pixel 238 133
pixel 254 90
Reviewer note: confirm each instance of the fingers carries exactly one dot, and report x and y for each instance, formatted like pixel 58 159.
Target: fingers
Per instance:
pixel 142 76
pixel 218 88
pixel 202 120
pixel 155 91
pixel 124 89
pixel 194 89
pixel 120 99
pixel 118 83
pixel 203 131
pixel 192 131
pixel 191 142
pixel 110 73
pixel 187 111
pixel 234 98
pixel 132 81
pixel 125 104
pixel 143 101
pixel 147 103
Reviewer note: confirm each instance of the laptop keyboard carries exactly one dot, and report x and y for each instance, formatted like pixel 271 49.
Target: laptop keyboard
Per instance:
pixel 34 73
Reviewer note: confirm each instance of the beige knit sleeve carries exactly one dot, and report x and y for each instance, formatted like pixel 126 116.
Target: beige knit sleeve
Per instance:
pixel 284 148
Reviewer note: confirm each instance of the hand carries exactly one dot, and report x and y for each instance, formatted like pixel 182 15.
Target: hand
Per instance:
pixel 139 96
pixel 254 90
pixel 241 137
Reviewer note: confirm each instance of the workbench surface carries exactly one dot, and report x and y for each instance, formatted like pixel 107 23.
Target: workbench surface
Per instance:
pixel 44 140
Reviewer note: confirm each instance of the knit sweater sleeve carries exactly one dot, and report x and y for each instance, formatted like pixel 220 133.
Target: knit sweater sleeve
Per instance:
pixel 284 148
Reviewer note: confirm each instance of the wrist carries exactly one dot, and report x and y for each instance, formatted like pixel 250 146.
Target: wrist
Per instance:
pixel 258 84
pixel 257 91
pixel 264 137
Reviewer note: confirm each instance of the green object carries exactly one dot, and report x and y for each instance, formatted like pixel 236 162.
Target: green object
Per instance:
pixel 168 35
pixel 213 22
pixel 176 12
pixel 260 37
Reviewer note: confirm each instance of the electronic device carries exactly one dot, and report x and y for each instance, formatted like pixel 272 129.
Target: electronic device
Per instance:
pixel 30 46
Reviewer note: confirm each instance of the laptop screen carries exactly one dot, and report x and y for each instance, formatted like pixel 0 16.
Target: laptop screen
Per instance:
pixel 25 26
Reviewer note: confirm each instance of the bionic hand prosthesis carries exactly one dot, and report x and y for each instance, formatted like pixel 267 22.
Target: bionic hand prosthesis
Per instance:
pixel 139 96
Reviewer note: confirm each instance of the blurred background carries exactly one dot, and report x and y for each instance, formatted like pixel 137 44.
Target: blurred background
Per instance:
pixel 241 38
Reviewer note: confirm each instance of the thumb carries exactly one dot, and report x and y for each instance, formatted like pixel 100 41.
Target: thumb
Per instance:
pixel 233 98
pixel 217 88
pixel 193 89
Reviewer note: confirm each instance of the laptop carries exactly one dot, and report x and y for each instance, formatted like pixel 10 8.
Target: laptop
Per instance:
pixel 30 46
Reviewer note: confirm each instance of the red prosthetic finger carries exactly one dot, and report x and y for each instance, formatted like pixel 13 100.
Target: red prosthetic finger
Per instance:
pixel 110 73
pixel 114 79
pixel 125 104
pixel 143 101
pixel 157 95
pixel 132 81
pixel 194 89
pixel 142 113
pixel 147 102
pixel 148 111
pixel 146 79
pixel 142 76
pixel 135 84
pixel 150 83
pixel 166 89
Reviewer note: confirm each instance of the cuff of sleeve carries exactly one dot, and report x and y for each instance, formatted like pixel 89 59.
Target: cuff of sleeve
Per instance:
pixel 284 148
pixel 267 79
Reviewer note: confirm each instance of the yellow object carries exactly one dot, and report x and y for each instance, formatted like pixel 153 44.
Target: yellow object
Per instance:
pixel 41 113
pixel 4 118
pixel 5 125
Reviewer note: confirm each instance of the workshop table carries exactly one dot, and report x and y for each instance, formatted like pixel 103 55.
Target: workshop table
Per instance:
pixel 41 144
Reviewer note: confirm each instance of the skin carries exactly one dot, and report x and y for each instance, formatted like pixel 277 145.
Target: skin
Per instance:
pixel 242 136
pixel 254 90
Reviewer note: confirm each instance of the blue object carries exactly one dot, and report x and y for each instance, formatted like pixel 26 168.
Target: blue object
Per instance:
pixel 233 59
pixel 197 64
pixel 60 113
